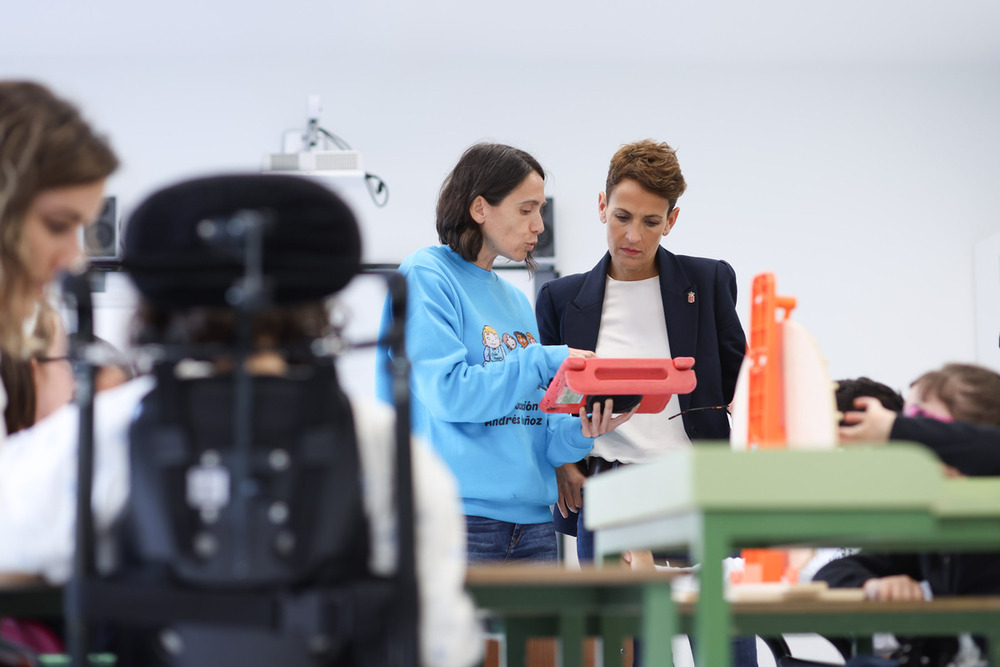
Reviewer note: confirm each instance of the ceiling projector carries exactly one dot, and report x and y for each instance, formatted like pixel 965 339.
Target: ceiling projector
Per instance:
pixel 316 163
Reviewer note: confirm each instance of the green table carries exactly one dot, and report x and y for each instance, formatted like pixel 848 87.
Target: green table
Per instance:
pixel 529 604
pixel 715 500
pixel 538 601
pixel 947 616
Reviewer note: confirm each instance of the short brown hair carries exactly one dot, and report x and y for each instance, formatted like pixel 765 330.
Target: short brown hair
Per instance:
pixel 44 144
pixel 652 165
pixel 971 393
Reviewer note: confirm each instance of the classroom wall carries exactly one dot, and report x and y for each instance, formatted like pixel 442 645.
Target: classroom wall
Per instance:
pixel 864 182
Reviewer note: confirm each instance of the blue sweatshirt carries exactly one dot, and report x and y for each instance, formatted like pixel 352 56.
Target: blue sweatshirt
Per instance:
pixel 478 374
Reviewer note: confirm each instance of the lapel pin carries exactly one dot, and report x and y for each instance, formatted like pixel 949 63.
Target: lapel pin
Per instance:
pixel 690 297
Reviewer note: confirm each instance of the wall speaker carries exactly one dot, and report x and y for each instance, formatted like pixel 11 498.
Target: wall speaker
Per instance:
pixel 100 240
pixel 545 249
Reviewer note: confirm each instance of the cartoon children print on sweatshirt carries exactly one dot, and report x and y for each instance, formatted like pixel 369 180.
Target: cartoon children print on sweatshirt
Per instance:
pixel 496 346
pixel 494 349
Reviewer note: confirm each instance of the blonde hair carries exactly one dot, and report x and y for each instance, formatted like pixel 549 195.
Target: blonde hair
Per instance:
pixel 48 326
pixel 44 144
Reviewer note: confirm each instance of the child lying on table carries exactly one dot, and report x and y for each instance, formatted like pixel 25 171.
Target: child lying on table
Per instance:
pixel 956 412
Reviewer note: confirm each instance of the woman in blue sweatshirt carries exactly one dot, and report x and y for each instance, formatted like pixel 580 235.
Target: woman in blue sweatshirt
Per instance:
pixel 477 372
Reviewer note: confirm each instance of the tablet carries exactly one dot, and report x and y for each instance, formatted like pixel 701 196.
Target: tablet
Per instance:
pixel 648 382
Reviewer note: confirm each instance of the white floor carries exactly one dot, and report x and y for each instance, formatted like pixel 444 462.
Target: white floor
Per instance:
pixel 807 647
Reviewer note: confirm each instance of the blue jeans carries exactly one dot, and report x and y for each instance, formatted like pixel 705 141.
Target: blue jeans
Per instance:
pixel 584 539
pixel 494 541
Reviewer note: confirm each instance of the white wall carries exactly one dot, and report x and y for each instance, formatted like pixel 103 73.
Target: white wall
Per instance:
pixel 987 272
pixel 862 177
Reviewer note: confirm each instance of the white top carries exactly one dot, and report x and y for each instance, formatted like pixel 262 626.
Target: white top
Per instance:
pixel 633 327
pixel 37 509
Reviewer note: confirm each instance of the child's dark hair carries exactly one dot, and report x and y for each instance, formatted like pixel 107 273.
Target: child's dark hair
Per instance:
pixel 848 390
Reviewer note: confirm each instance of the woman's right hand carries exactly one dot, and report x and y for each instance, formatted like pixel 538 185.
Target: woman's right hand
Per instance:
pixel 602 420
pixel 584 354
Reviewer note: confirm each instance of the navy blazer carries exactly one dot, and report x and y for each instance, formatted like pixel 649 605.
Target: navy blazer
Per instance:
pixel 699 307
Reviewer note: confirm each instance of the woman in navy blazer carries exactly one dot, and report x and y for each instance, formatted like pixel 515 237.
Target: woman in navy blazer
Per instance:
pixel 698 297
pixel 704 326
pixel 643 301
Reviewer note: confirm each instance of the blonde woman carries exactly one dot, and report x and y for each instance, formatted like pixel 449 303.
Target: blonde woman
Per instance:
pixel 52 173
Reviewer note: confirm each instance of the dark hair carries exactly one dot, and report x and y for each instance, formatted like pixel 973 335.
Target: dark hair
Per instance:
pixel 848 390
pixel 492 171
pixel 272 327
pixel 19 382
pixel 44 144
pixel 970 392
pixel 17 374
pixel 652 165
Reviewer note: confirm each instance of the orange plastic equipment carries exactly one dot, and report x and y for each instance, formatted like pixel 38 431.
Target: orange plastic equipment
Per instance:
pixel 766 394
pixel 656 380
pixel 764 565
pixel 766 406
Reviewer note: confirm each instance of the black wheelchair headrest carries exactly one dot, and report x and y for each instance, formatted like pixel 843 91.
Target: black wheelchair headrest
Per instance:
pixel 187 245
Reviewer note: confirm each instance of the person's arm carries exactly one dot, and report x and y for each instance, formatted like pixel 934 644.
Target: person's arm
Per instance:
pixel 894 587
pixel 37 505
pixel 970 448
pixel 38 482
pixel 883 576
pixel 449 633
pixel 732 338
pixel 570 480
pixel 571 439
pixel 443 380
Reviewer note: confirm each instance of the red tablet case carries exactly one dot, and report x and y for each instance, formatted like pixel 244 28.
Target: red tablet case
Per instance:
pixel 656 380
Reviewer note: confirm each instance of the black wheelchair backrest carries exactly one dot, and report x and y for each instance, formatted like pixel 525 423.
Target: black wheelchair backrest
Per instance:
pixel 296 518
